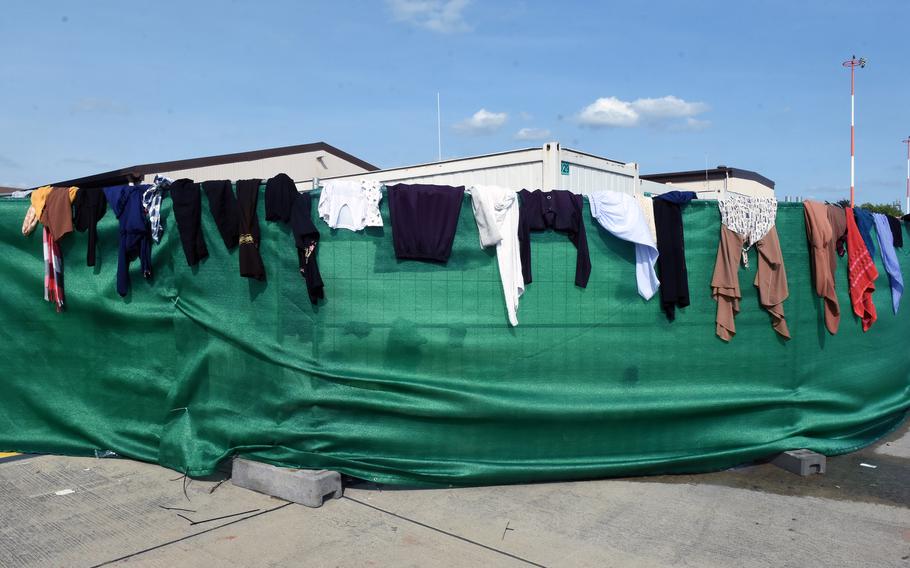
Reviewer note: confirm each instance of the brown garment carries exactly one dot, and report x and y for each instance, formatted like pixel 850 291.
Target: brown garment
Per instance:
pixel 57 215
pixel 823 259
pixel 39 196
pixel 770 279
pixel 838 219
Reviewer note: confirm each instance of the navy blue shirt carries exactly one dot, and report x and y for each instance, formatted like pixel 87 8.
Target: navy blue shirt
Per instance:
pixel 135 232
pixel 424 218
pixel 671 249
pixel 561 211
pixel 865 222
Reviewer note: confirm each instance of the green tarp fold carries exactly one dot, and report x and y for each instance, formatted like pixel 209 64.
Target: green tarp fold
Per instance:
pixel 409 373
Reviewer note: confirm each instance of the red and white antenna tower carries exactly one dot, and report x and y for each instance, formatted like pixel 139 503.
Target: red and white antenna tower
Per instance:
pixel 853 63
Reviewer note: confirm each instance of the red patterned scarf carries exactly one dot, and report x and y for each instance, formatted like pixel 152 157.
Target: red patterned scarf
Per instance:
pixel 53 271
pixel 862 273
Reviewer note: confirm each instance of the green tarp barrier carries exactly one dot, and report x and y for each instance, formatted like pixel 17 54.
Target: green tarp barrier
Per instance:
pixel 409 373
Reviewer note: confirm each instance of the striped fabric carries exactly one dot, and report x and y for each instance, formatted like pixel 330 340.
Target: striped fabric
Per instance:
pixel 53 271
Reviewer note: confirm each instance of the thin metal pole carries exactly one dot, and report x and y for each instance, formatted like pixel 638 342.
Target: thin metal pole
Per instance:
pixel 439 125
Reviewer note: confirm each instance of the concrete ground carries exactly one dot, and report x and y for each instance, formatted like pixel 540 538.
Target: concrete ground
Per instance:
pixel 59 511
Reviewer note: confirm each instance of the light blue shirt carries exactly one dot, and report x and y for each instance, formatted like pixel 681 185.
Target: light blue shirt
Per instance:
pixel 889 258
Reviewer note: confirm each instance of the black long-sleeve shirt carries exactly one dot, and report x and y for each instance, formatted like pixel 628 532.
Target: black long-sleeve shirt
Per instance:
pixel 671 249
pixel 561 211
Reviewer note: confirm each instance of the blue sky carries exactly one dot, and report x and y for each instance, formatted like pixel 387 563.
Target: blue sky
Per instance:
pixel 99 85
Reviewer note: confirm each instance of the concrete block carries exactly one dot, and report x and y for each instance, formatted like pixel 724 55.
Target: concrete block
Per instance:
pixel 310 487
pixel 801 462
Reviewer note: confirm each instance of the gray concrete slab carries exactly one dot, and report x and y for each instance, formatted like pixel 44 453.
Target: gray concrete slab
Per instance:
pixel 115 509
pixel 750 517
pixel 309 487
pixel 623 523
pixel 340 533
pixel 898 447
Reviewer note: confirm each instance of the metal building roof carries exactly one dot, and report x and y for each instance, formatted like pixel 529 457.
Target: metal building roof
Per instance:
pixel 720 172
pixel 131 173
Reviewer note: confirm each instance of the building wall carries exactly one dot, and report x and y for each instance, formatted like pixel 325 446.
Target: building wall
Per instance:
pixel 299 167
pixel 749 187
pixel 531 168
pixel 588 174
pixel 716 186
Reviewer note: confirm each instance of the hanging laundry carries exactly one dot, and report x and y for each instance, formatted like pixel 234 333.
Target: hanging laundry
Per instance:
pixel 862 273
pixel 30 221
pixel 280 194
pixel 889 257
pixel 53 270
pixel 89 207
pixel 748 221
pixel 823 259
pixel 750 217
pixel 135 232
pixel 57 218
pixel 424 219
pixel 306 238
pixel 621 214
pixel 151 204
pixel 223 206
pixel 647 209
pixel 250 260
pixel 671 249
pixel 496 212
pixel 561 211
pixel 39 196
pixel 57 213
pixel 187 202
pixel 865 222
pixel 838 220
pixel 350 204
pixel 770 279
pixel 897 234
pixel 284 203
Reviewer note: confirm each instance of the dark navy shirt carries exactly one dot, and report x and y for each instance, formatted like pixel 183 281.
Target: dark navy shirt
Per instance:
pixel 671 249
pixel 865 222
pixel 561 211
pixel 135 232
pixel 424 219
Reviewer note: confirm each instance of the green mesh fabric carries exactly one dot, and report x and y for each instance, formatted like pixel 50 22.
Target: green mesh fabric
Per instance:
pixel 409 373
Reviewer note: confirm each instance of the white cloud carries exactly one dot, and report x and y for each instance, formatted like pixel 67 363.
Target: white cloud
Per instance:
pixel 609 111
pixel 482 122
pixel 663 111
pixel 532 134
pixel 443 16
pixel 668 107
